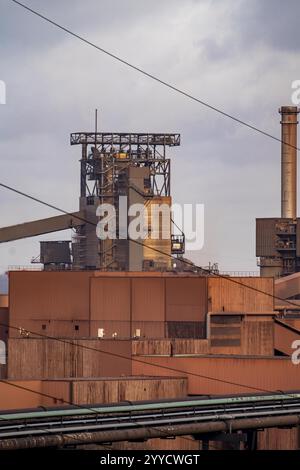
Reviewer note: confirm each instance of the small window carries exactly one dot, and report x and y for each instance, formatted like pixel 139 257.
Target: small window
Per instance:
pixel 44 327
pixel 76 327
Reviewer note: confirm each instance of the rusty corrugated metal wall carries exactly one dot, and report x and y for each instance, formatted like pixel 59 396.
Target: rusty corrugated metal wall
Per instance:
pixel 284 337
pixel 241 334
pixel 186 307
pixel 13 397
pixel 125 305
pixel 169 347
pixel 128 389
pixel 278 439
pixel 224 295
pixel 48 359
pixel 48 295
pixel 89 391
pixel 268 374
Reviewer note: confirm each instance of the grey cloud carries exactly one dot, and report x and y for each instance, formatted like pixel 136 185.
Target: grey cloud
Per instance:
pixel 212 49
pixel 270 22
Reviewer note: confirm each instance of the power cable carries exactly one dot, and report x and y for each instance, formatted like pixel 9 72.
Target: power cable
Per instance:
pixel 188 96
pixel 153 77
pixel 121 356
pixel 82 407
pixel 185 261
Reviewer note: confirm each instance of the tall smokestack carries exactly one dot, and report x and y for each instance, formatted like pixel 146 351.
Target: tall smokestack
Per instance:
pixel 289 161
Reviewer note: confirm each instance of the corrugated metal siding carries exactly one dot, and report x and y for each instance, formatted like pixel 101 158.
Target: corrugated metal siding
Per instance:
pixel 128 389
pixel 59 389
pixel 170 347
pixel 284 336
pixel 152 346
pixel 58 328
pixel 46 359
pixel 179 443
pixel 186 329
pixel 298 237
pixel 278 439
pixel 265 237
pixel 148 329
pixel 258 336
pixel 13 397
pixel 190 346
pixel 294 322
pixel 88 391
pixel 3 371
pixel 4 321
pixel 110 299
pixel 225 332
pixel 186 299
pixel 242 334
pixel 266 374
pixel 158 304
pixel 112 328
pixel 49 295
pixel 287 286
pixel 227 296
pixel 113 360
pixel 148 299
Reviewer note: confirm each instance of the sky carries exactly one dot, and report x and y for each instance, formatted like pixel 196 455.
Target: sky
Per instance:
pixel 238 55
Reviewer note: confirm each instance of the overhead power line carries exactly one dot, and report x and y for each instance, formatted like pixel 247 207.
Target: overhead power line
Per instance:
pixel 153 77
pixel 141 361
pixel 81 407
pixel 188 95
pixel 22 193
pixel 185 261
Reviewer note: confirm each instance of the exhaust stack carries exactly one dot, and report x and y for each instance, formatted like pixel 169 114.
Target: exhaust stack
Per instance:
pixel 289 161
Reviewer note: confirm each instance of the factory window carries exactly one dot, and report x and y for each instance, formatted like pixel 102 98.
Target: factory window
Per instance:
pixel 76 327
pixel 43 327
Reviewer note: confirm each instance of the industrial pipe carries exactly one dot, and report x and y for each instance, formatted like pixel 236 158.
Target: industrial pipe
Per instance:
pixel 60 440
pixel 145 406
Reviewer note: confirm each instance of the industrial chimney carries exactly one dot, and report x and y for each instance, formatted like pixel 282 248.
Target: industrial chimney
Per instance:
pixel 278 239
pixel 289 161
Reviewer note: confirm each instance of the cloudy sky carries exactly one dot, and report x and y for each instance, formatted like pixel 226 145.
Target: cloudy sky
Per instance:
pixel 238 55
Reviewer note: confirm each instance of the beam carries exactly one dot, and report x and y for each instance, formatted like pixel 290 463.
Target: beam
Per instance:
pixel 123 138
pixel 42 226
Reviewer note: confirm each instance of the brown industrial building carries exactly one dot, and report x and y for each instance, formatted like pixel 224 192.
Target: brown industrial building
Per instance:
pixel 138 336
pixel 111 322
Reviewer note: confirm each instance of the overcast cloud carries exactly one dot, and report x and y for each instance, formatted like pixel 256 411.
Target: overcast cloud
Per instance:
pixel 238 55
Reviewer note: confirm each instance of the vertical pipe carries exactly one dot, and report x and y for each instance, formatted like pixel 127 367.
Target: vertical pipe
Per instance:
pixel 83 171
pixel 96 125
pixel 289 161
